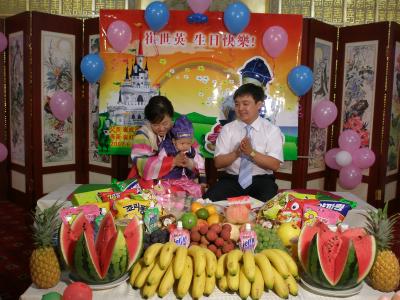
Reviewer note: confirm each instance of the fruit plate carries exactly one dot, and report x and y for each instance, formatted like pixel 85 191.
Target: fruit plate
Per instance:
pixel 306 282
pixel 104 286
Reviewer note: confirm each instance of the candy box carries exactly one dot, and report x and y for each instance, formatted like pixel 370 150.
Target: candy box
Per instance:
pixel 88 197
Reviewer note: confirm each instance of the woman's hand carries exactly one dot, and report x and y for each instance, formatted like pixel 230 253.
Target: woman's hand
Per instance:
pixel 180 160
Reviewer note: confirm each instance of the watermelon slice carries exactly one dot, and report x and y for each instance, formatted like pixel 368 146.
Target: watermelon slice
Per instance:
pixel 133 234
pixel 332 254
pixel 306 236
pixel 365 248
pixel 69 235
pixel 107 233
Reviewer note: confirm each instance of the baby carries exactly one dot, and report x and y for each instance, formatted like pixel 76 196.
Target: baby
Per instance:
pixel 182 140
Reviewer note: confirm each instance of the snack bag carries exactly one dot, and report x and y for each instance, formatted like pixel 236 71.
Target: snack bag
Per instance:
pixel 129 208
pixel 128 184
pixel 312 213
pixel 271 209
pixel 342 207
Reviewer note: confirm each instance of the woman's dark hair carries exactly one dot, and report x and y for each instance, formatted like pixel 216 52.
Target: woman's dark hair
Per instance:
pixel 257 92
pixel 157 108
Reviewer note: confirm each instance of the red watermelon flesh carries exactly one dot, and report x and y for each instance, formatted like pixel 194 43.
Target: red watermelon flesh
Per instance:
pixel 106 236
pixel 333 251
pixel 89 239
pixel 69 235
pixel 306 236
pixel 133 234
pixel 365 247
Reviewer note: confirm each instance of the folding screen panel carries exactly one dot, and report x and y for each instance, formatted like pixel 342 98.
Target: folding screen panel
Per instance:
pixel 362 101
pixel 44 56
pixel 319 52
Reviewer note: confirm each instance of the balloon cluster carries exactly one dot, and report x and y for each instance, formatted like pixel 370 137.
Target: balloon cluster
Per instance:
pixel 349 159
pixel 198 7
pixel 3 42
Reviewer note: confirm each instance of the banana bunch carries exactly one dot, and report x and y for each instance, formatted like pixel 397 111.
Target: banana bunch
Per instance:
pixel 249 274
pixel 162 265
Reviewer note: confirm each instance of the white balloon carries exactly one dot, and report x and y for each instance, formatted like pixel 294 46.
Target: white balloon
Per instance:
pixel 343 158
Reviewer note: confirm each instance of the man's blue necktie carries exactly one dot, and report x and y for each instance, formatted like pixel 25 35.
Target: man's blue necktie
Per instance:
pixel 246 167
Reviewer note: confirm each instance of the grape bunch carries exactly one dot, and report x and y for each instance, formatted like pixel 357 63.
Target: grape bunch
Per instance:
pixel 267 238
pixel 157 236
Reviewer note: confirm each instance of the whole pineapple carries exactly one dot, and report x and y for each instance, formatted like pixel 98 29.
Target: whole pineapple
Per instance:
pixel 43 264
pixel 385 273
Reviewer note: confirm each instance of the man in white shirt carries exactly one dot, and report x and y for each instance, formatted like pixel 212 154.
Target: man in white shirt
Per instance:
pixel 248 150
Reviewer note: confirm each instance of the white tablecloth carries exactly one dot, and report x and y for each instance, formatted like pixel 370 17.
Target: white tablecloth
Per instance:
pixel 125 291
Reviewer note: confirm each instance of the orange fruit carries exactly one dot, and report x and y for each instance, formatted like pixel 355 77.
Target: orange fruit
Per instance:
pixel 213 219
pixel 196 206
pixel 211 209
pixel 201 222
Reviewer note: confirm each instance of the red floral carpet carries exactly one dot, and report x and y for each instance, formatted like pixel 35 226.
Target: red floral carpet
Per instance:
pixel 15 250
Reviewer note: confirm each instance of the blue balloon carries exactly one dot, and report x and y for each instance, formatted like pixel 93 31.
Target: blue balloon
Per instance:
pixel 156 15
pixel 236 17
pixel 300 80
pixel 92 67
pixel 197 19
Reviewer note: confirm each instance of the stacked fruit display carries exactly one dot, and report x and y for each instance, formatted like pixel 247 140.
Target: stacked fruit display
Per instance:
pixel 163 265
pixel 248 274
pixel 216 238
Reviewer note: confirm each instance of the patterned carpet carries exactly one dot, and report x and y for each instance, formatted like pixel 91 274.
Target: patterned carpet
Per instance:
pixel 15 250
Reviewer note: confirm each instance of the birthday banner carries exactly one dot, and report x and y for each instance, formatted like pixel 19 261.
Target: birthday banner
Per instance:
pixel 198 67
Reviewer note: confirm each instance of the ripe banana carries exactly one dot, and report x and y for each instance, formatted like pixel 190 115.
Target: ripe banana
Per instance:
pixel 244 285
pixel 199 283
pixel 292 285
pixel 277 261
pixel 290 263
pixel 179 261
pixel 249 265
pixel 266 269
pixel 257 287
pixel 156 274
pixel 148 290
pixel 232 261
pixel 151 253
pixel 220 271
pixel 199 259
pixel 142 276
pixel 135 272
pixel 211 262
pixel 166 254
pixel 167 281
pixel 210 285
pixel 280 286
pixel 223 284
pixel 185 280
pixel 233 281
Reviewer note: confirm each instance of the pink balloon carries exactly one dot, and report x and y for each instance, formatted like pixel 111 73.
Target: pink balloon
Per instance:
pixel 62 105
pixel 349 140
pixel 324 113
pixel 363 158
pixel 199 6
pixel 275 40
pixel 3 42
pixel 349 177
pixel 3 152
pixel 119 35
pixel 330 158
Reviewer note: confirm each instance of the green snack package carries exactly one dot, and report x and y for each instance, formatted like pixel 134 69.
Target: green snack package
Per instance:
pixel 151 217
